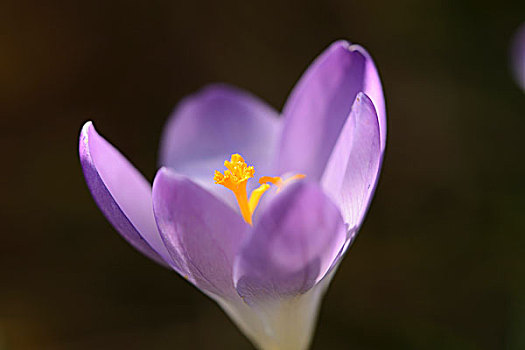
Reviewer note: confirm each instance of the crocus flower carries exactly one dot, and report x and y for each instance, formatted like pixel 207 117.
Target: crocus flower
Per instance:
pixel 518 56
pixel 264 250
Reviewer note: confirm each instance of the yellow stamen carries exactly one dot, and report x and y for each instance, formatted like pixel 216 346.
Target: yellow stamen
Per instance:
pixel 278 181
pixel 235 178
pixel 255 196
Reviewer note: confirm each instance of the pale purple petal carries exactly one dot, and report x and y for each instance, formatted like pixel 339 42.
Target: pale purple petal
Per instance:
pixel 319 104
pixel 292 245
pixel 122 194
pixel 353 169
pixel 201 232
pixel 518 56
pixel 374 90
pixel 208 127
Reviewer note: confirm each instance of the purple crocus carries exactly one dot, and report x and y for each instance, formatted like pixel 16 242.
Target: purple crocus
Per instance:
pixel 264 251
pixel 518 56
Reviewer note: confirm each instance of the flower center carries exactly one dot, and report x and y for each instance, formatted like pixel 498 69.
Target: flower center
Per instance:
pixel 236 177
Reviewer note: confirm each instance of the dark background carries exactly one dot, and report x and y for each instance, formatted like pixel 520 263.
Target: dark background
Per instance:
pixel 439 263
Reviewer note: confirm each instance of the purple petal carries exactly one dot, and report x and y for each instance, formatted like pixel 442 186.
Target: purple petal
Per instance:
pixel 319 104
pixel 292 245
pixel 518 56
pixel 122 194
pixel 353 169
pixel 216 122
pixel 201 232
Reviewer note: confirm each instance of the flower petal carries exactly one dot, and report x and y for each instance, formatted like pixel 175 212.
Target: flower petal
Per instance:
pixel 292 245
pixel 216 122
pixel 202 233
pixel 122 194
pixel 319 104
pixel 353 169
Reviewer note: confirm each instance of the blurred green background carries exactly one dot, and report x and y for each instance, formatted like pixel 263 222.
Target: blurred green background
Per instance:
pixel 439 263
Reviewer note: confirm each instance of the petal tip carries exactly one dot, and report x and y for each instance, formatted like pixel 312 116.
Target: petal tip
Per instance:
pixel 87 129
pixel 84 131
pixel 362 97
pixel 363 101
pixel 341 46
pixel 164 170
pixel 349 48
pixel 87 126
pixel 163 174
pixel 83 144
pixel 358 48
pixel 167 172
pixel 341 43
pixel 166 178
